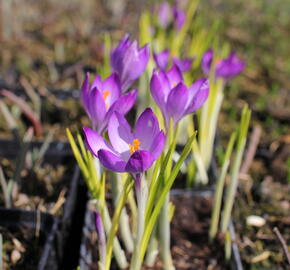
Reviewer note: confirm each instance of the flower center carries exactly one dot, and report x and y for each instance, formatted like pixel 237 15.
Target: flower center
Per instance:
pixel 174 84
pixel 106 93
pixel 135 146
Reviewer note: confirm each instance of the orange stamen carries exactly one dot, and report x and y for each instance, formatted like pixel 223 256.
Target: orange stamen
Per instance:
pixel 106 93
pixel 135 146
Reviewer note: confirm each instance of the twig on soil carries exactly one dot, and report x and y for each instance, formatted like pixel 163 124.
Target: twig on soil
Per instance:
pixel 32 95
pixel 25 109
pixel 59 203
pixel 283 244
pixel 251 150
pixel 261 257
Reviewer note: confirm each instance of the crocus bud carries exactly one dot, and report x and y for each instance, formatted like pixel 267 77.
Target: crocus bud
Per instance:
pixel 129 61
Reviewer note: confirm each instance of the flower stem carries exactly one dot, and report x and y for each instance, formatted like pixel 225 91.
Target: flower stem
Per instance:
pixel 208 120
pixel 117 249
pixel 152 250
pixel 125 232
pixel 164 236
pixel 164 222
pixel 101 241
pixel 141 195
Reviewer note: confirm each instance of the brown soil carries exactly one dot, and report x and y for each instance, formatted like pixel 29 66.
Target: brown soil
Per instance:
pixel 22 249
pixel 39 188
pixel 190 246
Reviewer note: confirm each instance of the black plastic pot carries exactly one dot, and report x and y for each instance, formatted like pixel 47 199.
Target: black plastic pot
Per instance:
pixel 88 247
pixel 73 222
pixel 86 252
pixel 57 152
pixel 61 235
pixel 44 224
pixel 60 94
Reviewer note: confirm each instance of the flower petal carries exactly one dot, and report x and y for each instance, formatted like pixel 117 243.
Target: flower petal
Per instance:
pixel 174 76
pixel 161 59
pixel 206 61
pixel 160 88
pixel 85 91
pixel 120 134
pixel 97 108
pixel 124 104
pixel 229 67
pixel 177 101
pixel 95 142
pixel 135 61
pixel 195 87
pixel 117 55
pixel 113 85
pixel 139 161
pixel 183 64
pixel 199 98
pixel 179 17
pixel 111 161
pixel 146 129
pixel 97 83
pixel 157 145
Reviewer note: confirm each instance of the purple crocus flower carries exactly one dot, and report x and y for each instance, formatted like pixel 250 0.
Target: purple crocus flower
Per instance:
pixel 164 14
pixel 161 59
pixel 129 61
pixel 132 152
pixel 225 68
pixel 102 98
pixel 183 64
pixel 173 97
pixel 179 17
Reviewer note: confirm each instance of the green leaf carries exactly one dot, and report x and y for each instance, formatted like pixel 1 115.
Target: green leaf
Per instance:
pixel 169 182
pixel 77 154
pixel 153 193
pixel 115 223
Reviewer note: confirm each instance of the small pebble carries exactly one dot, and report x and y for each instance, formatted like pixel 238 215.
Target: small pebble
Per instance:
pixel 256 221
pixel 15 256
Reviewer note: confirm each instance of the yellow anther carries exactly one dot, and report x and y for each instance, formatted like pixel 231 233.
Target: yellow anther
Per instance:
pixel 174 84
pixel 106 93
pixel 136 143
pixel 135 146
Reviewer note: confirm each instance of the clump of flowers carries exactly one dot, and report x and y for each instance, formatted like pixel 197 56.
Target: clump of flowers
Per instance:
pixel 142 157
